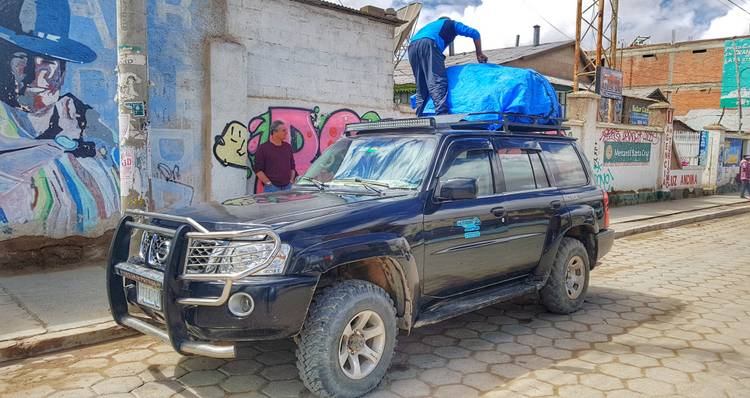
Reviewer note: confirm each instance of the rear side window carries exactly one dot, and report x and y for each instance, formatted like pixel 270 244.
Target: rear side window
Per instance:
pixel 564 164
pixel 522 170
pixel 517 172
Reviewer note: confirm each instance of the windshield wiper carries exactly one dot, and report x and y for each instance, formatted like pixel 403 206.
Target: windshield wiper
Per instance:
pixel 369 184
pixel 318 184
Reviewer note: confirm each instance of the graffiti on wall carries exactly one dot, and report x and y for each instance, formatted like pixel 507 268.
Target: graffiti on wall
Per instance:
pixel 58 157
pixel 603 175
pixel 633 136
pixel 668 136
pixel 310 133
pixel 171 157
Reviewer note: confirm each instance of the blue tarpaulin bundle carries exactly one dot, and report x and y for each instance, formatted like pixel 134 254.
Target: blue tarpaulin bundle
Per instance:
pixel 477 88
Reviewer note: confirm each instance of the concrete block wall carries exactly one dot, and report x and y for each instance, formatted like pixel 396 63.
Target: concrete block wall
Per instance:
pixel 216 68
pixel 312 67
pixel 648 176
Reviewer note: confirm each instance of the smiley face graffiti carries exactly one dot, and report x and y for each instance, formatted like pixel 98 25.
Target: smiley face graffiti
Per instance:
pixel 230 148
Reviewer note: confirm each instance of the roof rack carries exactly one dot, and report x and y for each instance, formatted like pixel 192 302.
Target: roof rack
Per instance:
pixel 492 121
pixel 504 121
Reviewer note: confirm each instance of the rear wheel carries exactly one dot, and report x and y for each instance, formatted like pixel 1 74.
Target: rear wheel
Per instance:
pixel 568 282
pixel 347 342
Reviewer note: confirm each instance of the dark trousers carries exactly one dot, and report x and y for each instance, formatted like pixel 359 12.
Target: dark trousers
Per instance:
pixel 428 64
pixel 744 188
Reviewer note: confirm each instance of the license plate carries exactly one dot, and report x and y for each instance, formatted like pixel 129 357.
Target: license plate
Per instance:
pixel 149 296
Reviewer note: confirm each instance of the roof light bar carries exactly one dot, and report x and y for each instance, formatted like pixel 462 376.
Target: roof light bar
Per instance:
pixel 392 124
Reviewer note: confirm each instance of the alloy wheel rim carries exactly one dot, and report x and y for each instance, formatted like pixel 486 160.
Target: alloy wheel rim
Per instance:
pixel 575 277
pixel 362 344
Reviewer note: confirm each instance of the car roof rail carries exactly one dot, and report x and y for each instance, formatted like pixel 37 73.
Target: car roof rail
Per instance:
pixel 488 121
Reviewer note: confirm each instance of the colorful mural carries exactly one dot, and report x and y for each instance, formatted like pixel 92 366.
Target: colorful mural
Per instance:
pixel 58 153
pixel 310 133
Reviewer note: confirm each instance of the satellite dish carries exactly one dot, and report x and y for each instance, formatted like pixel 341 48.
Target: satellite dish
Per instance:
pixel 410 14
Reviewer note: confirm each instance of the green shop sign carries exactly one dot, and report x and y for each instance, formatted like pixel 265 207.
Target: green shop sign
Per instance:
pixel 736 57
pixel 627 152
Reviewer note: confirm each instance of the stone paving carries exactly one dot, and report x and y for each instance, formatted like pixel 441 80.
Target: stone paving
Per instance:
pixel 668 314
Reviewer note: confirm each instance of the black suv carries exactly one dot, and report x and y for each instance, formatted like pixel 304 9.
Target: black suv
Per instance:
pixel 399 224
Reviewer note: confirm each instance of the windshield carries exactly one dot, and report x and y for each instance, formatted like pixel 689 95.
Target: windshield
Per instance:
pixel 388 161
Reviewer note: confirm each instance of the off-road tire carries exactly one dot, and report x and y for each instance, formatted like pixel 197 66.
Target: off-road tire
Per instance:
pixel 318 342
pixel 554 294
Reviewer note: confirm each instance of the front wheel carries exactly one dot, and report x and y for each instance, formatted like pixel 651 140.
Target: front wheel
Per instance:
pixel 347 342
pixel 569 280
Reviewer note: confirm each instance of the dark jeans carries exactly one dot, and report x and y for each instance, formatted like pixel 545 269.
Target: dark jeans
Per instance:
pixel 428 64
pixel 744 188
pixel 274 188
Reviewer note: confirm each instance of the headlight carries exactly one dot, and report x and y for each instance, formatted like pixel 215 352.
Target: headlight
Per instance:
pixel 232 257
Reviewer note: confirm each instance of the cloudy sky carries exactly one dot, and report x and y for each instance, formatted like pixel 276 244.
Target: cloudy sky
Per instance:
pixel 500 20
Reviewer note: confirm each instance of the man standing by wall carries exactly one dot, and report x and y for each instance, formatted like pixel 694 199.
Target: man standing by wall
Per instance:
pixel 428 62
pixel 274 160
pixel 745 177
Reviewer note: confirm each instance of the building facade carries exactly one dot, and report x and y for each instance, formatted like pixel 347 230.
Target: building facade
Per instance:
pixel 219 72
pixel 689 73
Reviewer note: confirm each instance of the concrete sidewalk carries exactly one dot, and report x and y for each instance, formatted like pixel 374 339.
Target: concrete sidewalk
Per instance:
pixel 42 312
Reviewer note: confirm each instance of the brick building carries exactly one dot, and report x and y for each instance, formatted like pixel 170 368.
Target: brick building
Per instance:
pixel 689 73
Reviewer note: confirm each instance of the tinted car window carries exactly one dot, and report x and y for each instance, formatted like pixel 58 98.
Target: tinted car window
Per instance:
pixel 565 164
pixel 518 174
pixel 472 164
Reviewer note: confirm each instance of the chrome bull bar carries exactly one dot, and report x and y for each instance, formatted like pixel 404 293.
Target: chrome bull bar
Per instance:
pixel 256 230
pixel 173 278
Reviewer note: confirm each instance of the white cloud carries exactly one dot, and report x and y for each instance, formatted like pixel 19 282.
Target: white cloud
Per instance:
pixel 735 23
pixel 500 20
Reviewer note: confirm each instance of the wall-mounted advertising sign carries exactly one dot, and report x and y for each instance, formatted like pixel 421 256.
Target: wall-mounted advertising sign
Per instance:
pixel 609 83
pixel 732 63
pixel 627 152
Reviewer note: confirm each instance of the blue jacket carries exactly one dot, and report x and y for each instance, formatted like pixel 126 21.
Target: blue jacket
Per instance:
pixel 443 31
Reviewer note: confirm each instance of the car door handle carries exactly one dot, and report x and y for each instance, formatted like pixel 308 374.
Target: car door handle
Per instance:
pixel 498 212
pixel 555 204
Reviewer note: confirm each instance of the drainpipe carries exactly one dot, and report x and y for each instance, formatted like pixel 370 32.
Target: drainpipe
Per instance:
pixel 132 102
pixel 451 50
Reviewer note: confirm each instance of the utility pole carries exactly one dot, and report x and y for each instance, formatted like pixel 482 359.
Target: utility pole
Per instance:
pixel 132 101
pixel 737 79
pixel 604 32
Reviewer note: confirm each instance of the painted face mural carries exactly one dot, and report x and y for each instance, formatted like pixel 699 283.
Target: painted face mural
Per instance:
pixel 309 132
pixel 58 161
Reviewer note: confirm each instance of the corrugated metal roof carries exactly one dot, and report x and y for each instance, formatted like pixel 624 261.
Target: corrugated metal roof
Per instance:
pixel 646 93
pixel 390 20
pixel 697 119
pixel 403 74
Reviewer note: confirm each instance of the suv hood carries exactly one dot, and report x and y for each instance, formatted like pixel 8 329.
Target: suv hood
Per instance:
pixel 278 209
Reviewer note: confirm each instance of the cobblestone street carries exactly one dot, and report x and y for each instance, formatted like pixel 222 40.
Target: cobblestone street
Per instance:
pixel 668 314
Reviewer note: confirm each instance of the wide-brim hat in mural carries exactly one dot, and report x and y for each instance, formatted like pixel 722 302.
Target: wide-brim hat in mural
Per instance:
pixel 43 27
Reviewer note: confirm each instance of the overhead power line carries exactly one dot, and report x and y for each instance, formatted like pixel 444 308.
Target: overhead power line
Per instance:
pixel 739 6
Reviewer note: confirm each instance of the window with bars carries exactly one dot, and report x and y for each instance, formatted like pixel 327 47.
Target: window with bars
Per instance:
pixel 687 147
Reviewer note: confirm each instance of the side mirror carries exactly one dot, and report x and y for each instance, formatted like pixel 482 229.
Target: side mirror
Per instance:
pixel 457 189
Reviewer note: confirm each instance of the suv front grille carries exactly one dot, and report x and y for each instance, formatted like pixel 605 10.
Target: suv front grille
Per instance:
pixel 155 249
pixel 199 255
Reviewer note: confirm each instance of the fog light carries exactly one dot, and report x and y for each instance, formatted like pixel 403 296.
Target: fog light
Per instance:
pixel 241 304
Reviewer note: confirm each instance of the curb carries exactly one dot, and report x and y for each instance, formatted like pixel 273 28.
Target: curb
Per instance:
pixel 681 221
pixel 57 341
pixel 105 331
